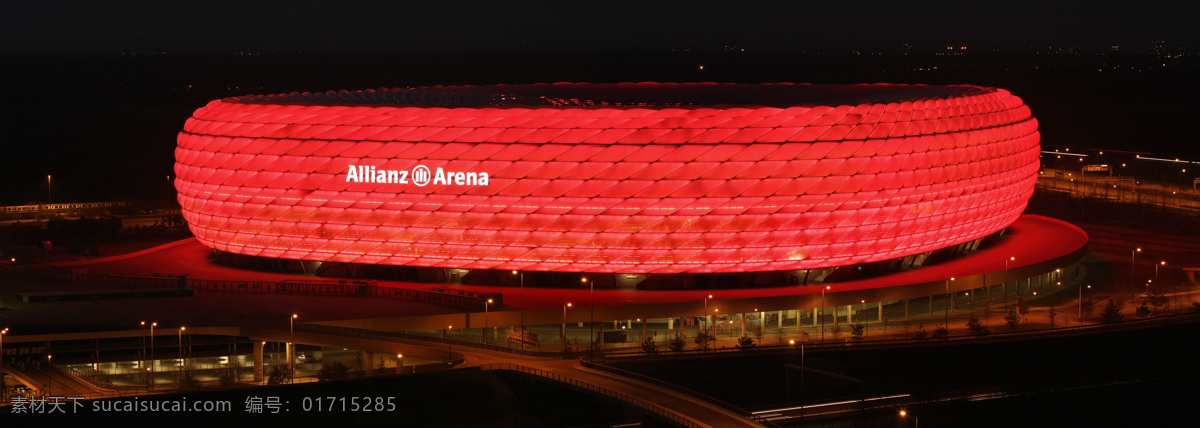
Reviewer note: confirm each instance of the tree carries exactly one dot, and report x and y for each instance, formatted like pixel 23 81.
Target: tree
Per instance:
pixel 1143 311
pixel 187 381
pixel 649 347
pixel 278 374
pixel 333 371
pixel 1013 319
pixel 921 334
pixel 570 350
pixel 1111 313
pixel 1195 306
pixel 941 332
pixel 1022 306
pixel 227 378
pixel 676 343
pixel 745 343
pixel 857 331
pixel 1087 306
pixel 977 328
pixel 704 340
pixel 837 329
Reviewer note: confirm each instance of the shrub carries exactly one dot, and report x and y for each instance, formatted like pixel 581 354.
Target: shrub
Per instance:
pixel 227 378
pixel 333 371
pixel 649 347
pixel 704 340
pixel 745 343
pixel 977 328
pixel 1013 319
pixel 858 330
pixel 920 333
pixel 1111 313
pixel 676 343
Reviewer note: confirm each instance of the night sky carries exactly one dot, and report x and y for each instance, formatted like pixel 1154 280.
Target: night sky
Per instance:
pixel 79 105
pixel 388 26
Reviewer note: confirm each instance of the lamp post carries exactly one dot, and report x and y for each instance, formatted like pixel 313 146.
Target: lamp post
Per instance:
pixel 823 313
pixel 592 318
pixel 706 312
pixel 2 333
pixel 562 334
pixel 1005 287
pixel 1080 310
pixel 399 362
pixel 947 310
pixel 449 346
pixel 485 320
pixel 291 348
pixel 150 378
pixel 49 190
pixel 181 365
pixel 1133 267
pixel 49 371
pixel 521 278
pixel 4 395
pixel 1161 263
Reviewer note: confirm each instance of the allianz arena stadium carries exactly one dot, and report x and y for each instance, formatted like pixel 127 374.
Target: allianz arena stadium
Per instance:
pixel 622 178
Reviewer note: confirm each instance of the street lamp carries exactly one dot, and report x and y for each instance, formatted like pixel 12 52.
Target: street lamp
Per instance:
pixel 706 311
pixel 49 371
pixel 591 318
pixel 947 310
pixel 291 348
pixel 399 362
pixel 562 336
pixel 1133 266
pixel 1005 287
pixel 449 346
pixel 1080 310
pixel 181 330
pixel 3 395
pixel 2 333
pixel 823 312
pixel 49 189
pixel 521 278
pixel 150 378
pixel 485 320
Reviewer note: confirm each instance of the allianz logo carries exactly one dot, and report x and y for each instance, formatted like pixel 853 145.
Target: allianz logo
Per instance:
pixel 419 175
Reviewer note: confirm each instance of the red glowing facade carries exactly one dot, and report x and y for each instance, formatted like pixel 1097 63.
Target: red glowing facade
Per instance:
pixel 647 177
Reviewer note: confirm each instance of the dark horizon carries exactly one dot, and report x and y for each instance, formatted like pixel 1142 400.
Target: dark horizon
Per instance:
pixel 388 27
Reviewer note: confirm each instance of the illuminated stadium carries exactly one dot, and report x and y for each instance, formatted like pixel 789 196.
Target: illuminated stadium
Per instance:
pixel 622 178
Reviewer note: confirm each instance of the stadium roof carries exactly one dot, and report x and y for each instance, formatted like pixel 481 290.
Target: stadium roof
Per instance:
pixel 626 95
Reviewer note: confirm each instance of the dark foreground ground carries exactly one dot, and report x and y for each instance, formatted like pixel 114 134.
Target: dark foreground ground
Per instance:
pixel 460 398
pixel 1108 377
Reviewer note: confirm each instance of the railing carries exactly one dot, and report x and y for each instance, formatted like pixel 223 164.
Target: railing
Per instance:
pixel 1134 323
pixel 670 386
pixel 357 332
pixel 671 415
pixel 467 302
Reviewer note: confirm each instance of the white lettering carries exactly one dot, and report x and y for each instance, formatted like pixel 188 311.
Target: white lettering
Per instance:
pixel 370 174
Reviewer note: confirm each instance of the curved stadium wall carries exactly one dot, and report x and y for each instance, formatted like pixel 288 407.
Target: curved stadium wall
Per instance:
pixel 634 178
